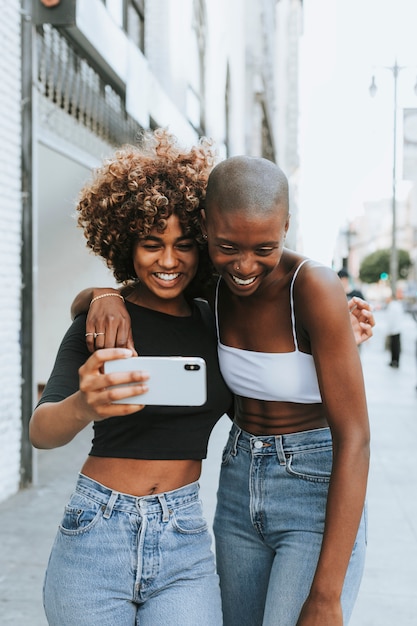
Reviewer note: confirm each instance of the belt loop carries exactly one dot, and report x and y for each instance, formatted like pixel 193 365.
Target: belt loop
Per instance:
pixel 236 434
pixel 280 450
pixel 110 504
pixel 164 506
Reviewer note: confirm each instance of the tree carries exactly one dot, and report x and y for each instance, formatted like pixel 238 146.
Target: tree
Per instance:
pixel 378 263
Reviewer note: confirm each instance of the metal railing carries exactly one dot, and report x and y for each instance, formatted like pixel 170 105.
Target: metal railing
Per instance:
pixel 69 80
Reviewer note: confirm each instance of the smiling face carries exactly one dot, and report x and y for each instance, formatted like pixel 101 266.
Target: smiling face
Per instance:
pixel 165 264
pixel 246 219
pixel 246 248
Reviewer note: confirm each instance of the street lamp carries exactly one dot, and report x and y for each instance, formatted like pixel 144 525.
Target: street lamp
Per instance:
pixel 395 70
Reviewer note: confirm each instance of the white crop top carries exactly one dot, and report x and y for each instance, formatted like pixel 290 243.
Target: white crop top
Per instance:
pixel 281 377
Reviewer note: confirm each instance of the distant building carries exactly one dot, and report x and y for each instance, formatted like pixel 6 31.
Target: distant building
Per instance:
pixel 372 230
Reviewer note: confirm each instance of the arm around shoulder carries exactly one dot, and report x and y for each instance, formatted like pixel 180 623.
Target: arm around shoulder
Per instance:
pixel 108 323
pixel 83 299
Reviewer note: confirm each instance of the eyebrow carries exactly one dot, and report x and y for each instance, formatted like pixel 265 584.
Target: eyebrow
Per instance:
pixel 157 239
pixel 258 245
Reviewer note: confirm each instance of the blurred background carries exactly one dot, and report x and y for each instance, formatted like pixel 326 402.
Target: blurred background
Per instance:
pixel 325 88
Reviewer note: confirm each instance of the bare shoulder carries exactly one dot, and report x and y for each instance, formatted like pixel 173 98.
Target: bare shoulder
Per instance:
pixel 318 286
pixel 316 276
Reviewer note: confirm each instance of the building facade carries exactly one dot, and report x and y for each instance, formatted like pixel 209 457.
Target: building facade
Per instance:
pixel 78 78
pixel 10 248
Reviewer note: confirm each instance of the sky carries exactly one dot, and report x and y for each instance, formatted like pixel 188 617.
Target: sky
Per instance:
pixel 346 137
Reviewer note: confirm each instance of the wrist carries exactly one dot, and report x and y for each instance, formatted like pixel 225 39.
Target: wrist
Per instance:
pixel 98 291
pixel 81 411
pixel 325 595
pixel 107 294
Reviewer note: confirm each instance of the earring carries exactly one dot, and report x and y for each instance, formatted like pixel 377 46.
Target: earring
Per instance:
pixel 205 236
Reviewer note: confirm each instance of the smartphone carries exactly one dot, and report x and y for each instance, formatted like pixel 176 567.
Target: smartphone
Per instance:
pixel 173 380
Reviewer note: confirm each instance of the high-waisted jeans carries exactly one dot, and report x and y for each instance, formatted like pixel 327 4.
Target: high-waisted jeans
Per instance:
pixel 119 560
pixel 269 526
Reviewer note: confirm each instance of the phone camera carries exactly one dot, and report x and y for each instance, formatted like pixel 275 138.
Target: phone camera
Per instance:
pixel 192 367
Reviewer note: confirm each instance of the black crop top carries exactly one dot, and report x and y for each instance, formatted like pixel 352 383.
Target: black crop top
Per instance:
pixel 156 432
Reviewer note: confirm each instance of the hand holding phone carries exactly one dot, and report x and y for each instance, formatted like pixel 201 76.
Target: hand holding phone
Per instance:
pixel 173 380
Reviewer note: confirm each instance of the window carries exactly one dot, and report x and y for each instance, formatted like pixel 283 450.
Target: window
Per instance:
pixel 134 22
pixel 196 88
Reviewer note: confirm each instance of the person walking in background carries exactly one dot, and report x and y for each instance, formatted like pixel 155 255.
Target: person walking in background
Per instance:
pixel 133 546
pixel 350 291
pixel 394 325
pixel 290 523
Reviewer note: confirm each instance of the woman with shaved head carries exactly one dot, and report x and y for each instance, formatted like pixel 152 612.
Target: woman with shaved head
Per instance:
pixel 289 525
pixel 290 519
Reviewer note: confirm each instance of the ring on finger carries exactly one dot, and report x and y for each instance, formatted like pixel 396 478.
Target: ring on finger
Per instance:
pixel 94 335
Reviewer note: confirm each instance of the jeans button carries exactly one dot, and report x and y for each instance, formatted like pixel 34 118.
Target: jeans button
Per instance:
pixel 258 444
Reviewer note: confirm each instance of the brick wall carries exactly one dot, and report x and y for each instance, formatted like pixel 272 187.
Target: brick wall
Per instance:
pixel 10 241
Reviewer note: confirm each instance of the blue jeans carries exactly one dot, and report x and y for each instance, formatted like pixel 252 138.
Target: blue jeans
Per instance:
pixel 119 560
pixel 269 526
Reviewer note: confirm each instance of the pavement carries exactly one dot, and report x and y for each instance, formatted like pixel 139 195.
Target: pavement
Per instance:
pixel 388 595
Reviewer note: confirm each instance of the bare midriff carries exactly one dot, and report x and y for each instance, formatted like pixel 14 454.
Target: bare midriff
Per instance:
pixel 141 477
pixel 263 417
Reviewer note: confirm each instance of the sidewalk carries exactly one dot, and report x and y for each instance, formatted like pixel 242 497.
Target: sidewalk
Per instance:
pixel 388 595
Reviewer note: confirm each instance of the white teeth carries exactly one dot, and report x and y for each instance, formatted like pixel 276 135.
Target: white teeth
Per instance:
pixel 240 281
pixel 167 277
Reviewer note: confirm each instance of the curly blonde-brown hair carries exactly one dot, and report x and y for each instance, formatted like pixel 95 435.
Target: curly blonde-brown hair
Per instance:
pixel 137 190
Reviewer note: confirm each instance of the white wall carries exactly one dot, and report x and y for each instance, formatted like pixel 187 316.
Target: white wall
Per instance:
pixel 10 223
pixel 65 265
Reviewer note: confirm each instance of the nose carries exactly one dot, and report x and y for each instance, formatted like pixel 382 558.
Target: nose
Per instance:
pixel 244 263
pixel 168 258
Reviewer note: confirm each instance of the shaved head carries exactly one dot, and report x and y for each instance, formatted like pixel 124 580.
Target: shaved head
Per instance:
pixel 249 184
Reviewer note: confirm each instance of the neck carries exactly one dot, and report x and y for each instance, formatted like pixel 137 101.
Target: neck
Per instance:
pixel 177 307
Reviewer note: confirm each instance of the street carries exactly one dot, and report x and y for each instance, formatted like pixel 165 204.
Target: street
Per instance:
pixel 388 594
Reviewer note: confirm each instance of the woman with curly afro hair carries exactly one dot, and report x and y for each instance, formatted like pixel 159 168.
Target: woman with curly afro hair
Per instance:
pixel 133 547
